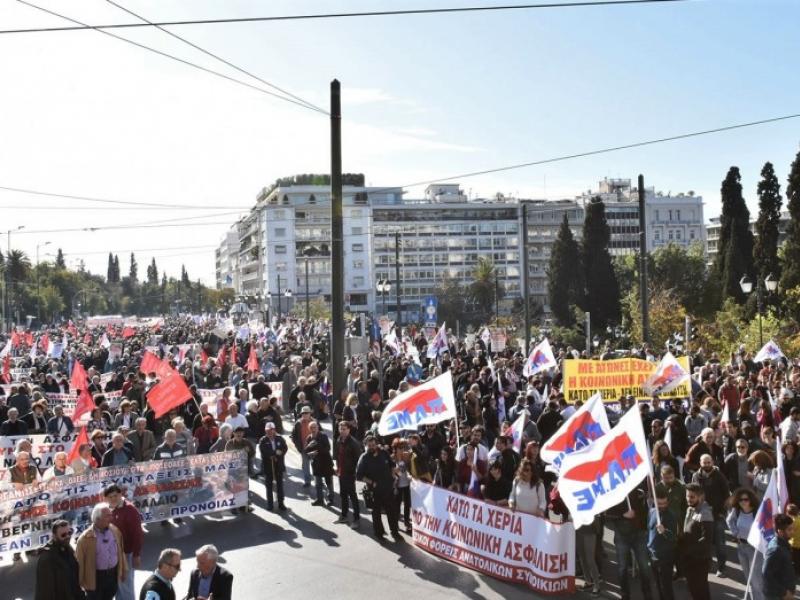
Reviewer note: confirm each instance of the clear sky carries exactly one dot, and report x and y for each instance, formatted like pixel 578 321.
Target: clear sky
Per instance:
pixel 424 97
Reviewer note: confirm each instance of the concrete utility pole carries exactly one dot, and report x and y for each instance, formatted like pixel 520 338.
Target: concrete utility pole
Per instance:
pixel 337 246
pixel 645 303
pixel 525 288
pixel 399 321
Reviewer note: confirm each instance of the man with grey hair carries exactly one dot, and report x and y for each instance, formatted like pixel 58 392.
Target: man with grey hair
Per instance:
pixel 13 426
pixel 209 580
pixel 100 554
pixel 159 585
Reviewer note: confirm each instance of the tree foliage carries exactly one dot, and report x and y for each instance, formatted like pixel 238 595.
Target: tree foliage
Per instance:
pixel 564 276
pixel 790 273
pixel 735 247
pixel 484 291
pixel 601 297
pixel 765 249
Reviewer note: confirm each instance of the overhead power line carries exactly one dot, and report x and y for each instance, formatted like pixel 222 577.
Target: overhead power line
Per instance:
pixel 219 58
pixel 109 201
pixel 172 57
pixel 343 15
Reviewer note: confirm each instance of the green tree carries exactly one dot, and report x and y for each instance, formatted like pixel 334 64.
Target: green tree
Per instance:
pixel 602 290
pixel 564 276
pixel 117 274
pixel 110 269
pixel 60 263
pixel 484 291
pixel 152 273
pixel 735 246
pixel 452 305
pixel 681 270
pixel 790 273
pixel 185 281
pixel 133 271
pixel 765 250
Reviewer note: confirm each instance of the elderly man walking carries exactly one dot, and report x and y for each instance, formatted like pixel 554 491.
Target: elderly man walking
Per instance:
pixel 101 557
pixel 209 580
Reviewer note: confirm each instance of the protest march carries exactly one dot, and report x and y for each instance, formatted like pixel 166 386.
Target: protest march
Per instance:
pixel 518 467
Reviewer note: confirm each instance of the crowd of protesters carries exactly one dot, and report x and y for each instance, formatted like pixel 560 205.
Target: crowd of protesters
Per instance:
pixel 710 477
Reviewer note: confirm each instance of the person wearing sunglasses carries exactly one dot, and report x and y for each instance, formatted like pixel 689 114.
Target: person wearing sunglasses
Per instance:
pixel 159 585
pixel 743 506
pixel 57 569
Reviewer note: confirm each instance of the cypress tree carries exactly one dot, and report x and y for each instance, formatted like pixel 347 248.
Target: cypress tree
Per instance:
pixel 790 275
pixel 564 280
pixel 110 269
pixel 60 263
pixel 133 272
pixel 733 263
pixel 602 288
pixel 765 249
pixel 152 273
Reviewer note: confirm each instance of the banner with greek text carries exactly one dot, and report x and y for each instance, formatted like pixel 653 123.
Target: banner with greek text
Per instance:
pixel 511 546
pixel 615 378
pixel 162 489
pixel 43 448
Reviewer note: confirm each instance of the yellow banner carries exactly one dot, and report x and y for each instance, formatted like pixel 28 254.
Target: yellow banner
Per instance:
pixel 615 378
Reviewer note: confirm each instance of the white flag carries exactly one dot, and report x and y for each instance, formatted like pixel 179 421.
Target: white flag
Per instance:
pixel 602 475
pixel 668 375
pixel 770 351
pixel 516 431
pixel 763 528
pixel 105 342
pixel 6 349
pixel 439 343
pixel 427 404
pixel 541 358
pixel 586 425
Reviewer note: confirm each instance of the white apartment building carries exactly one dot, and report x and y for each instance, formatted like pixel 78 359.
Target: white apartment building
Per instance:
pixel 227 261
pixel 714 227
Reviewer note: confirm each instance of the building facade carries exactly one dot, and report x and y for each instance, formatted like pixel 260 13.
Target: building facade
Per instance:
pixel 713 231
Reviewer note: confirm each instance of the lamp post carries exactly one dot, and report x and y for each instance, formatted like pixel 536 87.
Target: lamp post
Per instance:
pixel 747 287
pixel 308 302
pixel 268 297
pixel 383 287
pixel 287 294
pixel 38 291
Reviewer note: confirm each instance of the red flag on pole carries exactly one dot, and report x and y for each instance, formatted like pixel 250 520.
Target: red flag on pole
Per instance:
pixel 14 339
pixel 203 357
pixel 85 405
pixel 168 393
pixel 252 361
pixel 221 357
pixel 83 438
pixel 79 379
pixel 7 368
pixel 28 338
pixel 128 332
pixel 44 342
pixel 152 364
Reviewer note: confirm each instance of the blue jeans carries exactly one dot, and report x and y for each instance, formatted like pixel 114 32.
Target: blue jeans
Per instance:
pixel 306 469
pixel 627 540
pixel 125 589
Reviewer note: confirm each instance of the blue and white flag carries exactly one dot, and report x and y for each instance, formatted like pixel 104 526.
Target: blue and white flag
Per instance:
pixel 438 344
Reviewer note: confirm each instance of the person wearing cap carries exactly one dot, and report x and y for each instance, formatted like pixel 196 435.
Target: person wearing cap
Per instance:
pixel 300 433
pixel 272 448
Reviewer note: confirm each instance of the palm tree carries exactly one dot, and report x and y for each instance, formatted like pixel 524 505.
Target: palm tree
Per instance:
pixel 483 290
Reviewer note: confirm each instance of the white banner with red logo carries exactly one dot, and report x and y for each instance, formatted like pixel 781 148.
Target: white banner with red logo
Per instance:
pixel 511 546
pixel 44 447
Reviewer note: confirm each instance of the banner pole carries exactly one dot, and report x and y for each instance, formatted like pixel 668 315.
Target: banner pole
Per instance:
pixel 750 575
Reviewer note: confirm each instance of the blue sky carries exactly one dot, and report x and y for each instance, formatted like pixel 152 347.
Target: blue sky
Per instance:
pixel 424 97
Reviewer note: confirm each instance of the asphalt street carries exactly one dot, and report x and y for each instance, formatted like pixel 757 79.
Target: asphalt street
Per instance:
pixel 302 554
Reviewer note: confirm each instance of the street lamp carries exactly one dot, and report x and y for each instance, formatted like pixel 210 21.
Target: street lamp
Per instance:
pixel 747 287
pixel 38 291
pixel 383 287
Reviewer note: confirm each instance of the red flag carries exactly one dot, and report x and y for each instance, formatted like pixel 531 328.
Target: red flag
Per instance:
pixel 109 329
pixel 170 392
pixel 7 368
pixel 87 338
pixel 128 332
pixel 44 342
pixel 203 357
pixel 15 339
pixel 83 438
pixel 72 329
pixel 28 338
pixel 252 362
pixel 152 364
pixel 79 379
pixel 85 405
pixel 221 357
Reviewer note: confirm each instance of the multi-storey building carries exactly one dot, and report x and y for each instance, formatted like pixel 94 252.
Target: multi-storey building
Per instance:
pixel 227 261
pixel 713 232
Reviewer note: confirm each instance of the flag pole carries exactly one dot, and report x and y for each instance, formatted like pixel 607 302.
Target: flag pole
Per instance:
pixel 750 575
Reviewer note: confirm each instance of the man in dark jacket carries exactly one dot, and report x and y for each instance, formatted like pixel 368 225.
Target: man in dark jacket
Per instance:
pixel 119 454
pixel 209 579
pixel 318 449
pixel 779 578
pixel 694 542
pixel 57 568
pixel 375 470
pixel 662 536
pixel 273 454
pixel 347 451
pixel 716 492
pixel 159 585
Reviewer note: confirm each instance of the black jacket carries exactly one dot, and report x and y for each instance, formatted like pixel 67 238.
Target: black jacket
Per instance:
pixel 349 451
pixel 57 574
pixel 715 486
pixel 378 469
pixel 154 584
pixel 221 584
pixel 269 457
pixel 318 449
pixel 777 569
pixel 696 535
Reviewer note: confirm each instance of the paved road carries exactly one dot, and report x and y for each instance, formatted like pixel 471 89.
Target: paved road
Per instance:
pixel 302 554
